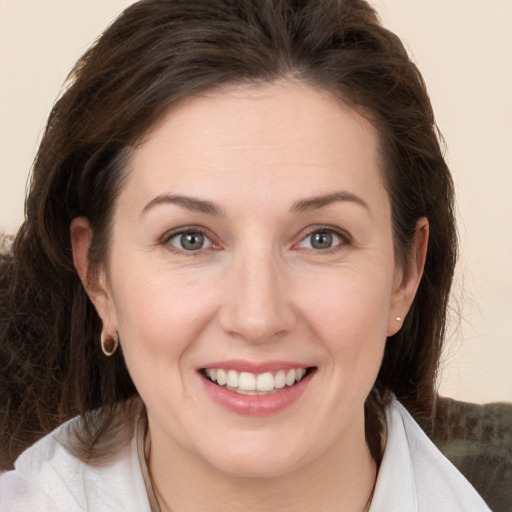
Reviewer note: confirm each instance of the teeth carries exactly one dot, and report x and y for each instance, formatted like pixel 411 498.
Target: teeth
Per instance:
pixel 221 377
pixel 265 382
pixel 290 378
pixel 248 383
pixel 299 374
pixel 280 379
pixel 232 380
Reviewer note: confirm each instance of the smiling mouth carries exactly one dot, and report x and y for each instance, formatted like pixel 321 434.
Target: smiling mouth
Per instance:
pixel 246 383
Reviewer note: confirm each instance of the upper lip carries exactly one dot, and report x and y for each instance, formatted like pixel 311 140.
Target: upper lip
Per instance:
pixel 255 367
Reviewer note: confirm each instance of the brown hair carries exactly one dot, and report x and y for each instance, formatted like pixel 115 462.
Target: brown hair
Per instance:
pixel 156 53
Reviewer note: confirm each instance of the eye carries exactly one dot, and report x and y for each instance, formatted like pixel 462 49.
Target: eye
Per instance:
pixel 190 241
pixel 322 239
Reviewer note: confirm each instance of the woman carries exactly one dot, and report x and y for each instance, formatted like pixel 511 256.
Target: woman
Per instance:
pixel 235 268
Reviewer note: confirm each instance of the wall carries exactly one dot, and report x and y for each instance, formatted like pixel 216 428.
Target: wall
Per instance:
pixel 464 49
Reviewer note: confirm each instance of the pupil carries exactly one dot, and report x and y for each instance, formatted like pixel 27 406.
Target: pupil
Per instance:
pixel 322 240
pixel 192 241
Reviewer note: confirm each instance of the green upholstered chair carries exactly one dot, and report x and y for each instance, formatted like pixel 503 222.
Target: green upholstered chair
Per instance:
pixel 478 441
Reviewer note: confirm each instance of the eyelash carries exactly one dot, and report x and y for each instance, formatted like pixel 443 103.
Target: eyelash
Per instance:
pixel 344 237
pixel 192 230
pixel 345 240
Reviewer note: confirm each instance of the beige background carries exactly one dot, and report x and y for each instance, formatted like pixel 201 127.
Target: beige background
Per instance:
pixel 464 49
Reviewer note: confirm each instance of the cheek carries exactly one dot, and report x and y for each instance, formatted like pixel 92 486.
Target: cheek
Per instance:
pixel 349 310
pixel 160 312
pixel 348 318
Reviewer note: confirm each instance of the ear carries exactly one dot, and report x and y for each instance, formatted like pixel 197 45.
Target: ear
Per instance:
pixel 94 281
pixel 406 284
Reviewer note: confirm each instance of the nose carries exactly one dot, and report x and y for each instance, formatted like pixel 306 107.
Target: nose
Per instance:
pixel 257 306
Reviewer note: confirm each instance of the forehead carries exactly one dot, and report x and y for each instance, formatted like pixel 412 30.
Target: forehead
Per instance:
pixel 257 134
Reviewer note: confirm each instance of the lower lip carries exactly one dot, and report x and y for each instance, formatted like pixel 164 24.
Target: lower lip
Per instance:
pixel 256 405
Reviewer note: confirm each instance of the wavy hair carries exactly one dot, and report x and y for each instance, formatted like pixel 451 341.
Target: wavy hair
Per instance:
pixel 155 54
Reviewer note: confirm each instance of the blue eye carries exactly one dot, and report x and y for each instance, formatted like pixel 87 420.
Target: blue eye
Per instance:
pixel 190 241
pixel 321 240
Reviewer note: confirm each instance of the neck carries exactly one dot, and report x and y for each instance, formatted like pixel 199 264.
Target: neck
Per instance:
pixel 342 480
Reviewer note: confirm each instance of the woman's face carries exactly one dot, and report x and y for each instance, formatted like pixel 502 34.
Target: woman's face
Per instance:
pixel 251 249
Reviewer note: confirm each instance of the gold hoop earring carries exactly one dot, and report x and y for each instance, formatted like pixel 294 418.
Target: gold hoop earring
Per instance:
pixel 109 343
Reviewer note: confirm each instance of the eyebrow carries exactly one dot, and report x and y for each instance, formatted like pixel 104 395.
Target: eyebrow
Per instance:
pixel 315 203
pixel 190 203
pixel 302 206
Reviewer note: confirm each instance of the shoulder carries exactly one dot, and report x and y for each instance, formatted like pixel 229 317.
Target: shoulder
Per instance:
pixel 416 476
pixel 47 477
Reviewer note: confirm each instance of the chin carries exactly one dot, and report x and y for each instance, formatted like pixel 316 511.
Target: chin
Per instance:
pixel 251 464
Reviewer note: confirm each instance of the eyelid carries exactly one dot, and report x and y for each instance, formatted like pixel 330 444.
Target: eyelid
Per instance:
pixel 183 230
pixel 346 239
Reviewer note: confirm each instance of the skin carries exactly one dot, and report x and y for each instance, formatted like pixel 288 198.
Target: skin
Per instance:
pixel 257 291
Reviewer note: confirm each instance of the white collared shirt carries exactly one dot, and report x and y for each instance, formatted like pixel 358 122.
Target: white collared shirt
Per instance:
pixel 414 477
